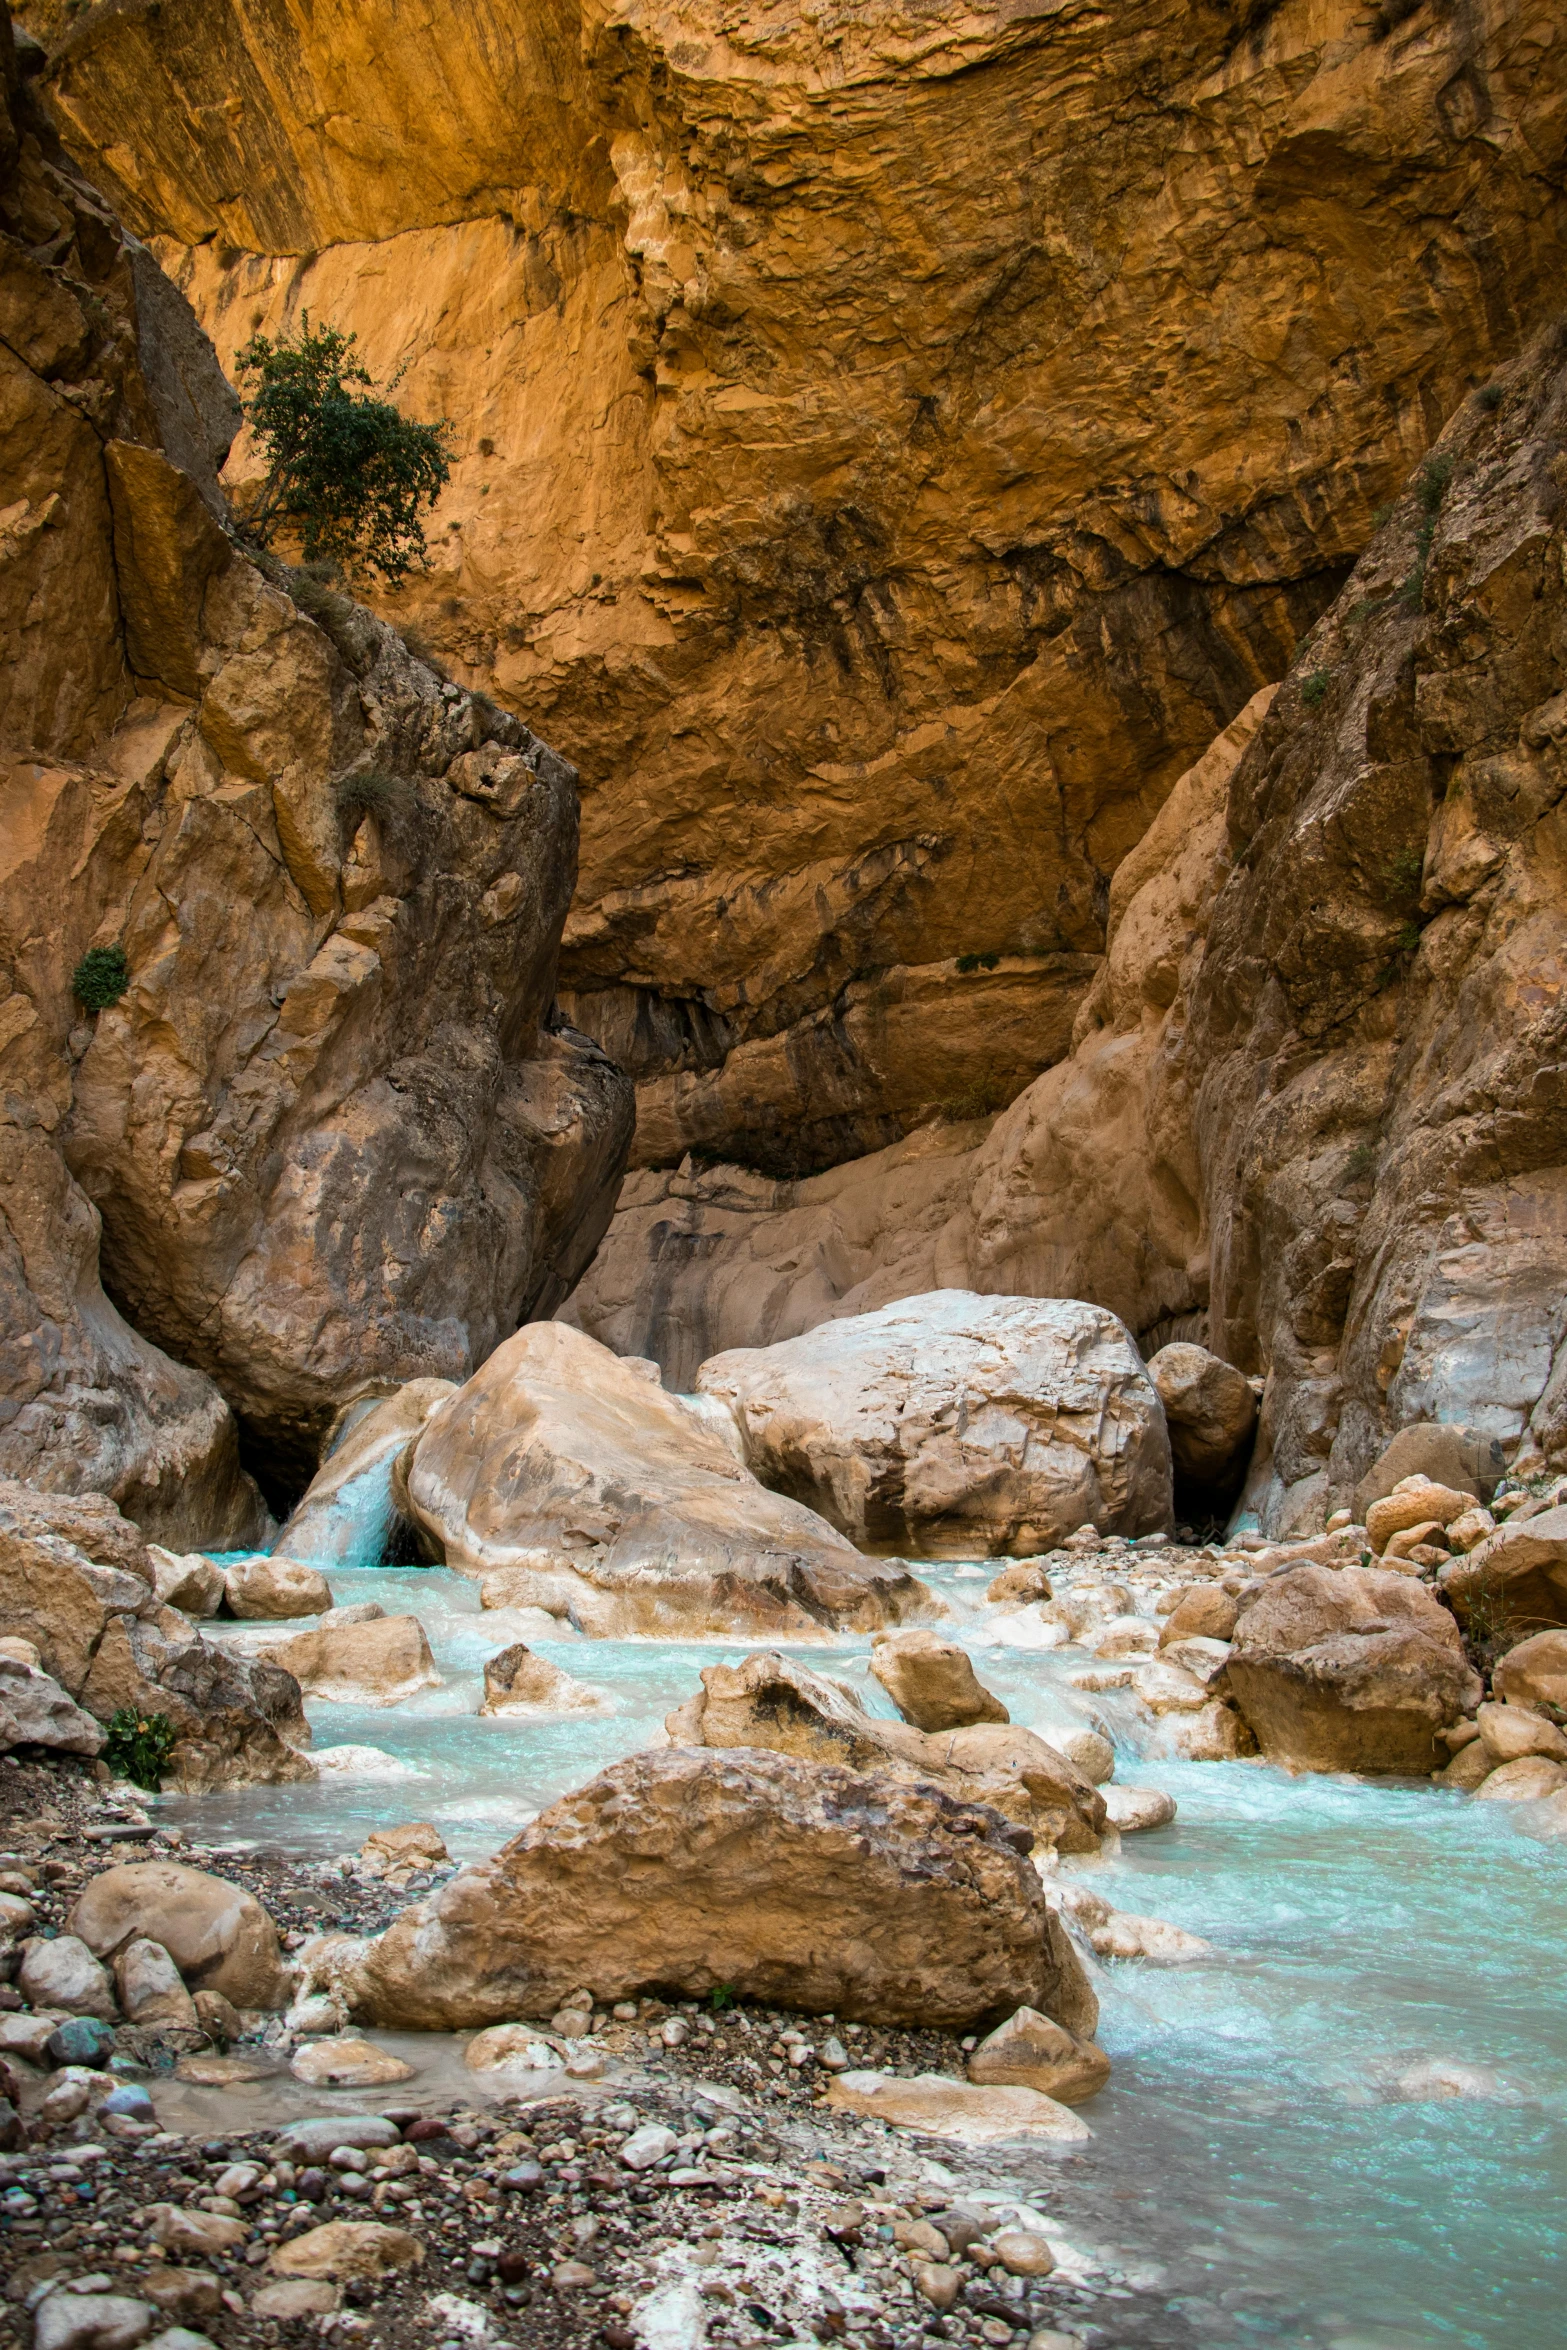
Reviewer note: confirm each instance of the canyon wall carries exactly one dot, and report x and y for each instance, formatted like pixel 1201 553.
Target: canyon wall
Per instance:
pixel 892 441
pixel 326 1132
pixel 1316 1112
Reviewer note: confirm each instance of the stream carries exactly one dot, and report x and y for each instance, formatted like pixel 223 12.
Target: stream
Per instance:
pixel 1348 2129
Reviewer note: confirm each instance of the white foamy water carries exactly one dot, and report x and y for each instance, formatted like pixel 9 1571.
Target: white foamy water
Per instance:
pixel 1347 2131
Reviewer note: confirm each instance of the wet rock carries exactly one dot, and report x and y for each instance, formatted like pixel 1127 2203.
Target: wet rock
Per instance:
pixel 150 1988
pixel 1535 1672
pixel 1133 1809
pixel 348 2064
pixel 349 1511
pixel 275 1586
pixel 932 1681
pixel 218 1935
pixel 1354 1669
pixel 691 1868
pixel 417 1845
pixel 82 2039
pixel 189 1581
pixel 953 1422
pixel 36 1711
pixel 347 2250
pixel 378 1663
pixel 1089 1752
pixel 1526 1780
pixel 1204 1611
pixel 1031 2051
pixel 1122 1933
pixel 1023 2252
pixel 570 1480
pixel 1516 1576
pixel 940 2107
pixel 1210 1410
pixel 511 2048
pixel 216 2017
pixel 773 1701
pixel 517 1681
pixel 1019 1585
pixel 91 2321
pixel 1468 1768
pixel 64 1974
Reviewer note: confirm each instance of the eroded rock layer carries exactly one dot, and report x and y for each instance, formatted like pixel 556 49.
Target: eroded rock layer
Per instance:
pixel 891 444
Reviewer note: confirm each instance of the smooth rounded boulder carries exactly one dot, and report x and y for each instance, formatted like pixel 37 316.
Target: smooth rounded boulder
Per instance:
pixel 1210 1410
pixel 379 1662
pixel 1516 1579
pixel 1535 1673
pixel 1033 2051
pixel 932 1681
pixel 571 1481
pixel 218 1935
pixel 955 1425
pixel 1349 1669
pixel 275 1587
pixel 795 1884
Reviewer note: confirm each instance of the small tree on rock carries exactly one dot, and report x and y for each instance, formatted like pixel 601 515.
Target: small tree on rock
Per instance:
pixel 344 469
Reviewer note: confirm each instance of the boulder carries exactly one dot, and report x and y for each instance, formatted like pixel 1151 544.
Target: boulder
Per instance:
pixel 1535 1673
pixel 218 1935
pixel 512 2048
pixel 1526 1780
pixel 349 1513
pixel 964 2111
pixel 1089 1750
pixel 1414 1502
pixel 377 1663
pixel 35 1711
pixel 1210 1411
pixel 517 1681
pixel 203 2233
pixel 1460 1457
pixel 295 2297
pixel 417 1845
pixel 1020 1584
pixel 688 1869
pixel 1131 1810
pixel 236 1724
pixel 1123 1933
pixel 1511 1731
pixel 1515 1580
pixel 957 1425
pixel 150 1988
pixel 603 1501
pixel 1031 2051
pixel 275 1586
pixel 91 2321
pixel 1468 1767
pixel 64 1974
pixel 1204 1611
pixel 774 1701
pixel 189 1581
pixel 1351 1669
pixel 932 1681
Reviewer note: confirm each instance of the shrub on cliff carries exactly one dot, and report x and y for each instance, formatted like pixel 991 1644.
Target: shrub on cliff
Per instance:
pixel 345 471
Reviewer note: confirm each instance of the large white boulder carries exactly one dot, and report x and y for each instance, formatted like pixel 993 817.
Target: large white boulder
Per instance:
pixel 571 1481
pixel 953 1424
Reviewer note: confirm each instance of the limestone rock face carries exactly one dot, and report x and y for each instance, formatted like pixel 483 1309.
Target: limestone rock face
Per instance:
pixel 1312 1095
pixel 932 1681
pixel 882 596
pixel 219 1937
pixel 1349 1669
pixel 690 1868
pixel 1210 1410
pixel 333 1130
pixel 776 1702
pixel 105 1636
pixel 953 1423
pixel 573 1479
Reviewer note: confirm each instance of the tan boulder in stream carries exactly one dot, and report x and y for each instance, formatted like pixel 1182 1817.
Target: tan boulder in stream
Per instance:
pixel 219 1937
pixel 376 1663
pixel 773 1701
pixel 796 1884
pixel 571 1481
pixel 932 1681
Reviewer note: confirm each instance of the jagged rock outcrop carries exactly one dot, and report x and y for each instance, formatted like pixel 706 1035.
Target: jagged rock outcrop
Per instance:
pixel 882 581
pixel 335 1133
pixel 692 1869
pixel 958 1425
pixel 1341 1155
pixel 76 1581
pixel 570 1480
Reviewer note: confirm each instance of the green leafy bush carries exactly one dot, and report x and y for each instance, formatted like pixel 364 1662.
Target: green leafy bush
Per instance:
pixel 1314 689
pixel 138 1747
pixel 101 978
pixel 1489 397
pixel 344 469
